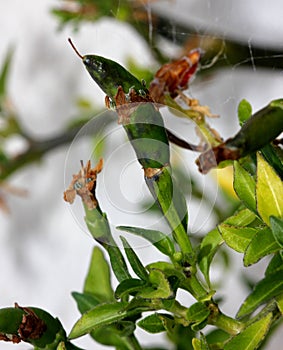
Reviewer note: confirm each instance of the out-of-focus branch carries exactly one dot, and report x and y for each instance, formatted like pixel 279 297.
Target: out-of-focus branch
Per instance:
pixel 234 53
pixel 38 148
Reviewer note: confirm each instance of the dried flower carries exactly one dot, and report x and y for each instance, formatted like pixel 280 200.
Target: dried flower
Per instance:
pixel 84 184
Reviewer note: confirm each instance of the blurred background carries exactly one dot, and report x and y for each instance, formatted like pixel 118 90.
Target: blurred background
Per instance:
pixel 44 247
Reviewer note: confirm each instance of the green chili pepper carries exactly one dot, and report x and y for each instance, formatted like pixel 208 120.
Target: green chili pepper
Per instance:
pixel 109 75
pixel 145 126
pixel 259 130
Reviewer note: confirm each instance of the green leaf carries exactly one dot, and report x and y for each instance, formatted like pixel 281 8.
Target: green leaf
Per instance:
pixel 115 335
pixel 251 337
pixel 135 262
pixel 244 186
pixel 208 249
pixel 101 315
pixel 237 238
pixel 274 265
pixel 154 323
pixel 217 336
pixel 272 155
pixel 85 301
pixel 5 69
pixel 61 346
pixel 160 240
pixel 130 286
pixel 244 111
pixel 262 244
pixel 277 229
pixel 99 228
pixel 160 286
pixel 268 288
pixel 118 263
pixel 197 313
pixel 54 333
pixel 200 344
pixel 279 301
pixel 167 268
pixel 269 191
pixel 98 281
pixel 243 217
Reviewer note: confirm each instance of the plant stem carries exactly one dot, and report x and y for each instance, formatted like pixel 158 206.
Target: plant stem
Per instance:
pixel 226 323
pixel 162 189
pixel 133 342
pixel 198 117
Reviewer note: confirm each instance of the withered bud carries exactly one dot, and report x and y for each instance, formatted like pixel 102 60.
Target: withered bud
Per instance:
pixel 84 184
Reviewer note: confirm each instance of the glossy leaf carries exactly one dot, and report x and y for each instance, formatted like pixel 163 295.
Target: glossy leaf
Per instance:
pixel 85 301
pixel 129 287
pixel 269 191
pixel 160 240
pixel 266 289
pixel 262 244
pixel 277 229
pixel 208 249
pixel 244 111
pixel 134 260
pixel 244 186
pixel 237 238
pixel 98 281
pixel 251 337
pixel 101 315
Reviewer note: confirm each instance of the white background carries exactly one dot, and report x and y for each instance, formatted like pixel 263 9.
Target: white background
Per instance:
pixel 44 253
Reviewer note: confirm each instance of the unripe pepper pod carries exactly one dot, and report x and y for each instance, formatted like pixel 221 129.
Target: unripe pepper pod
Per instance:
pixel 109 75
pixel 140 118
pixel 259 130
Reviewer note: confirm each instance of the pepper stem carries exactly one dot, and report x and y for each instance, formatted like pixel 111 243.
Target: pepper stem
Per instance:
pixel 74 48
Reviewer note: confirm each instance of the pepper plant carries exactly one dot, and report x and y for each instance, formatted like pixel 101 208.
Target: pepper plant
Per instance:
pixel 146 296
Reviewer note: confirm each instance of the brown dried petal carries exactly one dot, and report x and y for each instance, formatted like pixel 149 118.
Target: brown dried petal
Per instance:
pixel 83 185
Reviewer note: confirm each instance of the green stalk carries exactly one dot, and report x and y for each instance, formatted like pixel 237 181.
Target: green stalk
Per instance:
pixel 99 228
pixel 226 323
pixel 162 188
